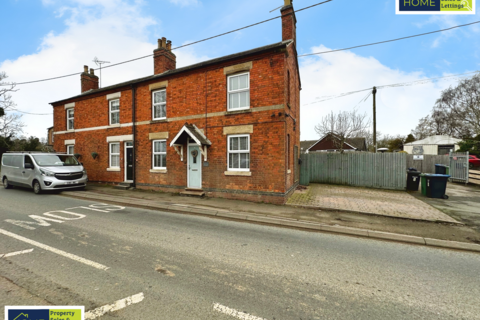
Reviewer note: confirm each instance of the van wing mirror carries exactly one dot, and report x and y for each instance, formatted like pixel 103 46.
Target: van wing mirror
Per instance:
pixel 28 166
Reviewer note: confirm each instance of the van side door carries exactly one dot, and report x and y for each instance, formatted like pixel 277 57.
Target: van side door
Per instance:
pixel 14 174
pixel 28 171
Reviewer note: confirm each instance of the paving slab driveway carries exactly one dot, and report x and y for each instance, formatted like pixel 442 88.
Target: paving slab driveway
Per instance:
pixel 463 203
pixel 399 204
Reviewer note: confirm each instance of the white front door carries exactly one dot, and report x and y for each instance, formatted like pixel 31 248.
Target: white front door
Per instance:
pixel 194 174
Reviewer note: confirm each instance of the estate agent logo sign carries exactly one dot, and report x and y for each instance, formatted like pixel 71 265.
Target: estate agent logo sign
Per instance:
pixel 435 7
pixel 44 313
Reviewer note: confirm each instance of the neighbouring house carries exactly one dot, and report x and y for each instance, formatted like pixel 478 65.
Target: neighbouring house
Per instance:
pixel 304 145
pixel 50 135
pixel 227 127
pixel 436 145
pixel 331 143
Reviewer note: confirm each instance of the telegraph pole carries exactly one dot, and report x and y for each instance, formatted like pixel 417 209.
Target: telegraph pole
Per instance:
pixel 374 119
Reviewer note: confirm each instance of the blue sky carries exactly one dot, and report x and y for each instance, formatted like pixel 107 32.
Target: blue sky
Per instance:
pixel 47 38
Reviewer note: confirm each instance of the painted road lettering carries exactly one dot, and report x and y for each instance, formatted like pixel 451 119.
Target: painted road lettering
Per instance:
pixel 60 216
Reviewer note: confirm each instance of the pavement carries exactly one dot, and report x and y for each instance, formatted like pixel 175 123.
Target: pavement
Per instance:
pixel 398 204
pixel 463 203
pixel 440 234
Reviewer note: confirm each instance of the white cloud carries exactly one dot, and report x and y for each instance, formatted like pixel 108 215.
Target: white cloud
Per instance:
pixel 112 30
pixel 398 109
pixel 185 3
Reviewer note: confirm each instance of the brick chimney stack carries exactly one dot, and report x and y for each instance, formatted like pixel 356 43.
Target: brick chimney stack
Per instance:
pixel 89 81
pixel 163 58
pixel 289 22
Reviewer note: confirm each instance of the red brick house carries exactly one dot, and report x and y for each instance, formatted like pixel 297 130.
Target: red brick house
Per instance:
pixel 228 127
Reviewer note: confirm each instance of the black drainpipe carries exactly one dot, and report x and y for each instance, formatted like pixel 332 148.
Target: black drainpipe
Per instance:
pixel 133 136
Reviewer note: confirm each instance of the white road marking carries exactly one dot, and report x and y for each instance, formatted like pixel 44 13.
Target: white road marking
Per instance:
pixel 41 221
pixel 87 208
pixel 117 305
pixel 57 251
pixel 234 313
pixel 16 253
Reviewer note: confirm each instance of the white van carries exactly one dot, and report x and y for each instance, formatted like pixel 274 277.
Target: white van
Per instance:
pixel 42 171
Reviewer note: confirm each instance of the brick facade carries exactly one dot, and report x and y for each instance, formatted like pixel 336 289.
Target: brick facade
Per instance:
pixel 197 95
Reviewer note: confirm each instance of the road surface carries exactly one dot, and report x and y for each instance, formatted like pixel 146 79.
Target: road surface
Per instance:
pixel 174 266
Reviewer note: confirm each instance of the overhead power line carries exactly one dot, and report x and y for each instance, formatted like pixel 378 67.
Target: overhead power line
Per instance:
pixel 36 114
pixel 392 40
pixel 393 85
pixel 176 48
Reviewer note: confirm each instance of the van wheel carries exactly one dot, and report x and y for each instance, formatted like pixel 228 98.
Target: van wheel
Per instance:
pixel 6 184
pixel 37 189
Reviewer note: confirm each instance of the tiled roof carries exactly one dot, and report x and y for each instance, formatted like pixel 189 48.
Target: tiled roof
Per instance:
pixel 184 69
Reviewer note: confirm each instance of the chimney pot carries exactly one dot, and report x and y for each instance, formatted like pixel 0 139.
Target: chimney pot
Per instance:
pixel 88 81
pixel 288 2
pixel 163 58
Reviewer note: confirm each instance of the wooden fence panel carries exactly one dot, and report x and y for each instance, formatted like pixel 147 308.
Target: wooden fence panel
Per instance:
pixel 474 177
pixel 384 171
pixel 427 165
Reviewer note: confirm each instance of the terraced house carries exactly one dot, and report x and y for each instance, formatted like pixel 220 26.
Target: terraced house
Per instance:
pixel 228 127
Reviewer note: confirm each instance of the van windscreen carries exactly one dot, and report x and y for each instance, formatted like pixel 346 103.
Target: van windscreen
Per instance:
pixel 55 160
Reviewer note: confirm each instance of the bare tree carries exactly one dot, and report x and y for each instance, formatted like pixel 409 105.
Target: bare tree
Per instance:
pixel 456 113
pixel 10 124
pixel 343 125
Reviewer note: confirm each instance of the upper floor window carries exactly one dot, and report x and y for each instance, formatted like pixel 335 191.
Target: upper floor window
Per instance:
pixel 159 104
pixel 114 111
pixel 70 116
pixel 239 91
pixel 239 152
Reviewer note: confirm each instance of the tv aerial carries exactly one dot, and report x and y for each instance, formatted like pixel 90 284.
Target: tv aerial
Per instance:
pixel 99 63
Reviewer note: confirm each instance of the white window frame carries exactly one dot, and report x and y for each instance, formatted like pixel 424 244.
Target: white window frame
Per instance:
pixel 238 151
pixel 110 154
pixel 159 104
pixel 238 91
pixel 73 149
pixel 155 153
pixel 70 118
pixel 115 111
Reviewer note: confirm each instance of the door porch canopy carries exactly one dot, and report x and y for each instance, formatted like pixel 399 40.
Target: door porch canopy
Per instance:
pixel 190 131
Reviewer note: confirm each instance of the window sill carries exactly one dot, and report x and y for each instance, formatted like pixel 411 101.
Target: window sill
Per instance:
pixel 113 169
pixel 158 170
pixel 240 111
pixel 158 120
pixel 238 173
pixel 70 130
pixel 116 125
